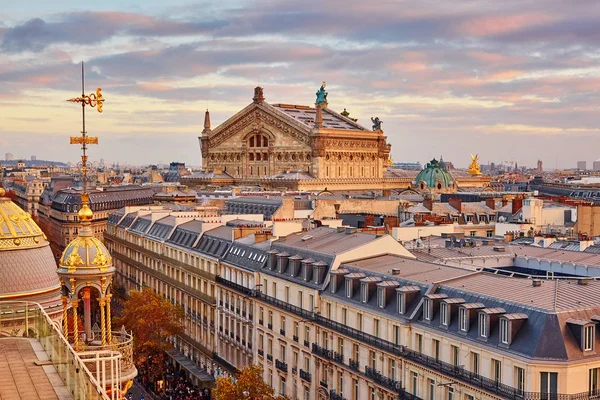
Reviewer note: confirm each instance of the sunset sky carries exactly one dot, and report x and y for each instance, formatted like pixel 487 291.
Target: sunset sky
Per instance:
pixel 505 79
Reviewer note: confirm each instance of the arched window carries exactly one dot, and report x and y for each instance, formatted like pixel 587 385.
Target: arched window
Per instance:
pixel 258 141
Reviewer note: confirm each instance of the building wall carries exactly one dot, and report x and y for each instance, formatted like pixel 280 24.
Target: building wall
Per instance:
pixel 588 220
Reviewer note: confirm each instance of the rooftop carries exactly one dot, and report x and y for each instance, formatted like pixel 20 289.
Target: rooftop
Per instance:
pixel 306 115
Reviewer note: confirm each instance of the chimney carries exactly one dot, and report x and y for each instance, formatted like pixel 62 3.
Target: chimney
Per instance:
pixel 517 204
pixel 272 259
pixel 428 203
pixel 491 203
pixel 319 117
pixel 536 283
pixel 456 203
pixel 258 95
pixel 508 237
pixel 206 122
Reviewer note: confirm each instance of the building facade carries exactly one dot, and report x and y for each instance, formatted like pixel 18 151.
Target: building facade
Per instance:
pixel 338 314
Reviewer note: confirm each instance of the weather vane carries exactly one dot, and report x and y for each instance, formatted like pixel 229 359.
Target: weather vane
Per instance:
pixel 93 100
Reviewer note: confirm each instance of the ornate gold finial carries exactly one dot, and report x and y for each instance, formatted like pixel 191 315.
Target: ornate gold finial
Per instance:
pixel 93 100
pixel 474 167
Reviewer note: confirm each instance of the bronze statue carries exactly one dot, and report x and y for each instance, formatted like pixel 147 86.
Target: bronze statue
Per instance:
pixel 376 123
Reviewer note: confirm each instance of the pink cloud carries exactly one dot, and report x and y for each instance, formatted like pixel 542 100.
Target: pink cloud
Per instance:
pixel 498 25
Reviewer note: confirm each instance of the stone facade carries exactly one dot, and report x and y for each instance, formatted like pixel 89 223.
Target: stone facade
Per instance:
pixel 264 140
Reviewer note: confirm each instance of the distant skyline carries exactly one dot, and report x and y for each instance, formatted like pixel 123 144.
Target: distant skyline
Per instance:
pixel 511 80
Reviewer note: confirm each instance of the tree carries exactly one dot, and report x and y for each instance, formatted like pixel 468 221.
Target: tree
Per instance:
pixel 247 385
pixel 152 319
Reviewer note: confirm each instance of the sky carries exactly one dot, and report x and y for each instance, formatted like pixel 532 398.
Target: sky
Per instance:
pixel 512 80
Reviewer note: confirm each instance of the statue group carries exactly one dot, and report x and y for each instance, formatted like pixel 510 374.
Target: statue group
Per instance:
pixel 321 95
pixel 376 123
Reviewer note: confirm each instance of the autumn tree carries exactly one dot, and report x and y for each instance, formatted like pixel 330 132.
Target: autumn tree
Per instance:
pixel 152 319
pixel 247 385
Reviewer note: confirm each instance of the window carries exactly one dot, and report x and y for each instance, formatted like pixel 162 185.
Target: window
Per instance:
pixel 444 314
pixel 270 347
pixel 345 316
pixel 396 335
pixel 548 384
pixel 588 338
pixel 496 370
pixel 482 325
pixel 287 294
pixel 356 351
pixel 414 383
pixel 365 292
pixel 435 349
pixel 475 363
pixel 348 288
pixel 520 379
pixel 282 352
pixel 380 297
pixel 355 391
pixel 311 299
pixel 306 393
pixel 427 309
pixel 376 327
pixel 373 357
pixel 504 329
pixel 341 346
pixel 455 355
pixel 271 378
pixel 282 386
pixel 463 319
pixel 329 310
pixel 401 303
pixel 274 289
pixel 392 369
pixel 594 381
pixel 489 233
pixel 431 390
pixel 360 321
pixel 307 334
pixel 473 233
pixel 450 393
pixel 419 342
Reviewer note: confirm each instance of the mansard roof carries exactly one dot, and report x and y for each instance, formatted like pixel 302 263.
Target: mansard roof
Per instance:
pixel 306 115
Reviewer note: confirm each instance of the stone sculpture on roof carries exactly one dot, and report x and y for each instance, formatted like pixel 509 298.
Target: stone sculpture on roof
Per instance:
pixel 322 94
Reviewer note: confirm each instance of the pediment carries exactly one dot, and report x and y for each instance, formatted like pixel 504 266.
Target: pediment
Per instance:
pixel 261 113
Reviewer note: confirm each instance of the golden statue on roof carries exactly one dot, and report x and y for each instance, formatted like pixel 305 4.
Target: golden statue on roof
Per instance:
pixel 474 167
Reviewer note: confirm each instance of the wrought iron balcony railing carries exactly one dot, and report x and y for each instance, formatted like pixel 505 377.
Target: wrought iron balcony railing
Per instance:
pixel 282 366
pixel 305 375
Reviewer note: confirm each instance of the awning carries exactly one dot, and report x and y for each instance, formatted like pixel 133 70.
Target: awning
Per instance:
pixel 190 366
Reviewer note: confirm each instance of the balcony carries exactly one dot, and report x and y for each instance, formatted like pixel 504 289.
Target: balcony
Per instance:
pixel 306 343
pixel 270 326
pixel 270 357
pixel 282 366
pixel 294 370
pixel 295 338
pixel 234 286
pixel 354 364
pixel 261 352
pixel 383 380
pixel 260 321
pixel 323 384
pixel 335 396
pixel 282 332
pixel 304 375
pixel 75 369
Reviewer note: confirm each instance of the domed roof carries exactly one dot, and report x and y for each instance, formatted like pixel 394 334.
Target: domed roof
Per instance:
pixel 17 228
pixel 85 252
pixel 27 266
pixel 435 176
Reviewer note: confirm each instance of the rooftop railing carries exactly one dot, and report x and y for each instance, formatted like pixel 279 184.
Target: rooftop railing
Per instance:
pixel 74 368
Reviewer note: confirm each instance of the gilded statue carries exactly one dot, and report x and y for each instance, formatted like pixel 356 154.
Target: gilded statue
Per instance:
pixel 474 167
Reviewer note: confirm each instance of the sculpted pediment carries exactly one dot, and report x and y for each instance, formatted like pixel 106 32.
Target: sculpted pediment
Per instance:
pixel 258 115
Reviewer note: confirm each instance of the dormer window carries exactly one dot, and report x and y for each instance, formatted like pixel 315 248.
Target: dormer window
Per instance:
pixel 504 331
pixel 483 328
pixel 380 297
pixel 588 338
pixel 333 285
pixel 401 303
pixel 427 314
pixel 364 292
pixel 463 319
pixel 348 288
pixel 444 314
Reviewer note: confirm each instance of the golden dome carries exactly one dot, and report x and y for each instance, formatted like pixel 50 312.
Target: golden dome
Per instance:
pixel 17 229
pixel 85 252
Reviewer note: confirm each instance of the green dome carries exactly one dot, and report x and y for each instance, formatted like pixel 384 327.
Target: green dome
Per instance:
pixel 435 176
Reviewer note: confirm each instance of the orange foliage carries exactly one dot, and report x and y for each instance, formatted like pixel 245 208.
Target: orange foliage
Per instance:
pixel 248 385
pixel 153 319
